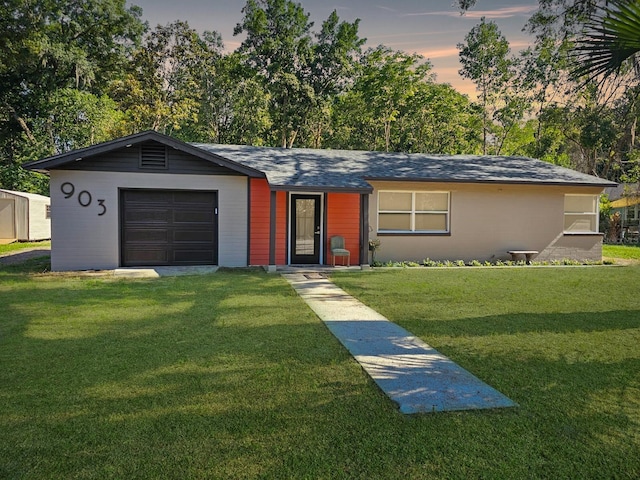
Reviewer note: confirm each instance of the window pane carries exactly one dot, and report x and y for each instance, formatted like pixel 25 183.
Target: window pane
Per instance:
pixel 630 213
pixel 432 201
pixel 431 222
pixel 395 201
pixel 305 226
pixel 580 203
pixel 394 221
pixel 579 223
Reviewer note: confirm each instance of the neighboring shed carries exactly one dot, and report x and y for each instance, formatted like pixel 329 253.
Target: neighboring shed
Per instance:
pixel 24 216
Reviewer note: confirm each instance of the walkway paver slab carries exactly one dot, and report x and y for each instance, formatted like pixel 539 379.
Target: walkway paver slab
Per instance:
pixel 412 373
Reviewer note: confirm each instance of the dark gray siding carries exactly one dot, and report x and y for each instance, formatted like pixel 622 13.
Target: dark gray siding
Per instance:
pixel 128 160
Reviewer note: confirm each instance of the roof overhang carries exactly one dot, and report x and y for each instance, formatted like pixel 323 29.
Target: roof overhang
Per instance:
pixel 320 189
pixel 625 202
pixel 51 163
pixel 559 183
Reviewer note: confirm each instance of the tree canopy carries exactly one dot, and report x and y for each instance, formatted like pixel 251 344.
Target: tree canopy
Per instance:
pixel 77 73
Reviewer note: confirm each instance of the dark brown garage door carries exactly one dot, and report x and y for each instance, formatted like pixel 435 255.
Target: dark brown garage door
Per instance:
pixel 162 227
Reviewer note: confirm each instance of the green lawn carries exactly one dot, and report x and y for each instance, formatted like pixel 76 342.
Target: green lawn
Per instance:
pixel 12 247
pixel 231 376
pixel 630 252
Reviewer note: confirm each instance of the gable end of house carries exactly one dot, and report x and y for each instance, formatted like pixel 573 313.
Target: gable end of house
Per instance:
pixel 149 157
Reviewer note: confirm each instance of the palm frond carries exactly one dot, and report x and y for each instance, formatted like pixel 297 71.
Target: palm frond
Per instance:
pixel 612 37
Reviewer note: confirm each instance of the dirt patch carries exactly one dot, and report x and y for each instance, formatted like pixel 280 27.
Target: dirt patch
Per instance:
pixel 621 261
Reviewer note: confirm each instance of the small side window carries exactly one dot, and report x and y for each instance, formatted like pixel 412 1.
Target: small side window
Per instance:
pixel 581 213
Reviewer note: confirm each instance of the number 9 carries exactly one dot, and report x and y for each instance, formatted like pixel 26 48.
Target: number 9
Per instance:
pixel 68 189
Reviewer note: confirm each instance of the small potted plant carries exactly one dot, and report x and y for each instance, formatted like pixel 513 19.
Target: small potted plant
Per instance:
pixel 374 245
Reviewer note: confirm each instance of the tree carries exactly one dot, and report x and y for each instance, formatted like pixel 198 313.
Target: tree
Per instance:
pixel 235 106
pixel 388 80
pixel 332 70
pixel 168 79
pixel 299 73
pixel 484 58
pixel 49 45
pixel 438 119
pixel 76 119
pixel 395 105
pixel 278 47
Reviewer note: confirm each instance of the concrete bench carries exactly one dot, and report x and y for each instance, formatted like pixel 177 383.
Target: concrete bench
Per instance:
pixel 527 254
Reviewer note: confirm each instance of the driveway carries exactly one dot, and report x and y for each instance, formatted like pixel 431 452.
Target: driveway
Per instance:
pixel 20 256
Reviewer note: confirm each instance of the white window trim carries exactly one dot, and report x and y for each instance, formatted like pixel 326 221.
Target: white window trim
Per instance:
pixel 596 214
pixel 289 213
pixel 413 212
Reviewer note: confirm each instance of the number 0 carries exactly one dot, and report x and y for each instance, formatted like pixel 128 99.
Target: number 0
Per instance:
pixel 84 198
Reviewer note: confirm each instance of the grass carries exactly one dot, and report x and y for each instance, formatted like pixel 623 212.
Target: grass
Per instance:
pixel 629 252
pixel 563 343
pixel 231 376
pixel 12 247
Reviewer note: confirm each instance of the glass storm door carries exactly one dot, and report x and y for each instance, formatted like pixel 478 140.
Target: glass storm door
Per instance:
pixel 305 229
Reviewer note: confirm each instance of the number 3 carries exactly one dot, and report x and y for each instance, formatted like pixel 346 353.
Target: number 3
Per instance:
pixel 104 207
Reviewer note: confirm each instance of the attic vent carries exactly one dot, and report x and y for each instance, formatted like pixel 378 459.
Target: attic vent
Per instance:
pixel 153 155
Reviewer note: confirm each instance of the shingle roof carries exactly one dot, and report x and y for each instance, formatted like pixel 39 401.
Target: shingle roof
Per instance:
pixel 301 168
pixel 621 190
pixel 346 170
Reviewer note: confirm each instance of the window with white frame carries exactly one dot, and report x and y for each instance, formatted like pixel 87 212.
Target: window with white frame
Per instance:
pixel 632 213
pixel 581 213
pixel 419 212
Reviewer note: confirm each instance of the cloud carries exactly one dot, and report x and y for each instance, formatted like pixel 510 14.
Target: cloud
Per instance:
pixel 450 52
pixel 425 33
pixel 440 52
pixel 505 12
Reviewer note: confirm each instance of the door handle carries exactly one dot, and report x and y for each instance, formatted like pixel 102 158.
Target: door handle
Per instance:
pixel 317 233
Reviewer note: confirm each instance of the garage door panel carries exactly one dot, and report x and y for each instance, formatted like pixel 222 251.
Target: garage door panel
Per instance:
pixel 146 196
pixel 194 256
pixel 146 235
pixel 193 216
pixel 202 198
pixel 146 256
pixel 169 227
pixel 191 236
pixel 148 215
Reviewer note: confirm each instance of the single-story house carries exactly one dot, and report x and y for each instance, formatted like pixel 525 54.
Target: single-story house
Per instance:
pixel 24 217
pixel 149 199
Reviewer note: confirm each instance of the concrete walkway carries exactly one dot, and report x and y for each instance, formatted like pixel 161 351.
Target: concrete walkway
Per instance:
pixel 413 374
pixel 155 272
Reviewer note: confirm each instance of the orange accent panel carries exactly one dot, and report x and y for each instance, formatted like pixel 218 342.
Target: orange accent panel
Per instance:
pixel 281 228
pixel 259 221
pixel 343 218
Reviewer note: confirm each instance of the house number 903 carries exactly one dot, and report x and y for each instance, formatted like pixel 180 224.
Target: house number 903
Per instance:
pixel 84 197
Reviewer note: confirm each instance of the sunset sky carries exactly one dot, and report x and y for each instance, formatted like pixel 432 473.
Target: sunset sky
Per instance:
pixel 431 28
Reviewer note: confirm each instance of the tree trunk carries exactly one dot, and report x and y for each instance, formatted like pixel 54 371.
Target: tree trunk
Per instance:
pixel 21 122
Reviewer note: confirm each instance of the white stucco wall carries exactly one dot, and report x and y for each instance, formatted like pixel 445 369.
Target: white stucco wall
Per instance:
pixel 486 221
pixel 83 240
